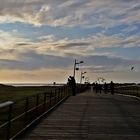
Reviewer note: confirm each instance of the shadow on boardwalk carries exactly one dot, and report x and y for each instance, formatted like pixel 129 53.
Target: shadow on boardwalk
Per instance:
pixel 90 116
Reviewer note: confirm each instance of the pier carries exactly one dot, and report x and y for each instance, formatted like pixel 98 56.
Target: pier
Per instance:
pixel 90 116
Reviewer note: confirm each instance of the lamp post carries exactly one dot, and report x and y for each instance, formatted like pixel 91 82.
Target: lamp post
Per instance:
pixel 82 73
pixel 75 63
pixel 87 79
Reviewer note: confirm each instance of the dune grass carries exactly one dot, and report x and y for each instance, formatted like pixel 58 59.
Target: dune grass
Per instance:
pixel 15 93
pixel 19 96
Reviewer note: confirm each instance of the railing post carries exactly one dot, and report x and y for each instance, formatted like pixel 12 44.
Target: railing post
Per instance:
pixel 55 96
pixel 137 92
pixel 65 91
pixel 26 111
pixel 61 93
pixel 9 121
pixel 58 92
pixel 45 97
pixel 50 98
pixel 37 101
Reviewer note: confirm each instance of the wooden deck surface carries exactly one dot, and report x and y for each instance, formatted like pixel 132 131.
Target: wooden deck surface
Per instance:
pixel 90 116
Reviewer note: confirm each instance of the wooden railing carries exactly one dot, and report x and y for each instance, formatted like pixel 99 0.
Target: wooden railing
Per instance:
pixel 128 90
pixel 17 116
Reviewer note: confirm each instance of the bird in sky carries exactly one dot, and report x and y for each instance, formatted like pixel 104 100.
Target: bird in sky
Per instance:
pixel 132 68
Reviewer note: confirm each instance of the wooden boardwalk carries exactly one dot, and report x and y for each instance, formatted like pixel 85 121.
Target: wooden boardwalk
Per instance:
pixel 91 116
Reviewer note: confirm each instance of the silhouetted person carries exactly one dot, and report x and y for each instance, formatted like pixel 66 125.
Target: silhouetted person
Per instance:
pixel 72 84
pixel 105 88
pixel 69 81
pixel 100 88
pixel 96 87
pixel 91 87
pixel 112 87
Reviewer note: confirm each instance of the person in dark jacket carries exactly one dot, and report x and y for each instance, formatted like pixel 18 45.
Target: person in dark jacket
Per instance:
pixel 72 84
pixel 105 88
pixel 96 87
pixel 112 87
pixel 100 88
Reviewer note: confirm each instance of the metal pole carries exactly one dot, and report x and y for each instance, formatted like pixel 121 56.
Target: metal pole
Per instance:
pixel 81 78
pixel 74 68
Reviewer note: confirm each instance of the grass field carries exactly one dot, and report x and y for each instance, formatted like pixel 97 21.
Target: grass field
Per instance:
pixel 18 95
pixel 15 93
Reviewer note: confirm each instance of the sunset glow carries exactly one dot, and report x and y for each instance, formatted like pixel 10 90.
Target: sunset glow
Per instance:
pixel 40 39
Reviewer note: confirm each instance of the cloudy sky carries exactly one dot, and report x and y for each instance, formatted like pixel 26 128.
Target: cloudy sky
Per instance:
pixel 39 40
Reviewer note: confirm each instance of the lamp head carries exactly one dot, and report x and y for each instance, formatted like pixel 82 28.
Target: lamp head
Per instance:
pixel 76 68
pixel 81 62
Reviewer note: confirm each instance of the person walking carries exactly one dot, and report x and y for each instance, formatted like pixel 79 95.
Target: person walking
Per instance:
pixel 100 88
pixel 72 84
pixel 105 88
pixel 112 87
pixel 91 87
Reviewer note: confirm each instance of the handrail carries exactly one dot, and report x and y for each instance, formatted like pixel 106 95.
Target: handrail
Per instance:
pixel 133 90
pixel 5 104
pixel 40 103
pixel 17 117
pixel 28 109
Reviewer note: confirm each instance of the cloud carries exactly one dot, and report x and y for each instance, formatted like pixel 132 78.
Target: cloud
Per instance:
pixel 107 64
pixel 32 60
pixel 73 45
pixel 87 46
pixel 72 36
pixel 130 29
pixel 13 46
pixel 19 53
pixel 70 13
pixel 10 39
pixel 131 41
pixel 34 76
pixel 22 44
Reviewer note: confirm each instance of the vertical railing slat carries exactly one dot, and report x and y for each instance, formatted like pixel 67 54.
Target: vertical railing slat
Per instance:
pixel 38 102
pixel 26 111
pixel 9 121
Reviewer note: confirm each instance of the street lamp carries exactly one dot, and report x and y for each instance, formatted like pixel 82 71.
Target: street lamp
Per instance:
pixel 82 73
pixel 87 79
pixel 75 63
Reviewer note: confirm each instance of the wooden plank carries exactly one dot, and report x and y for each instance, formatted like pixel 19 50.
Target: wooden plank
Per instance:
pixel 91 116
